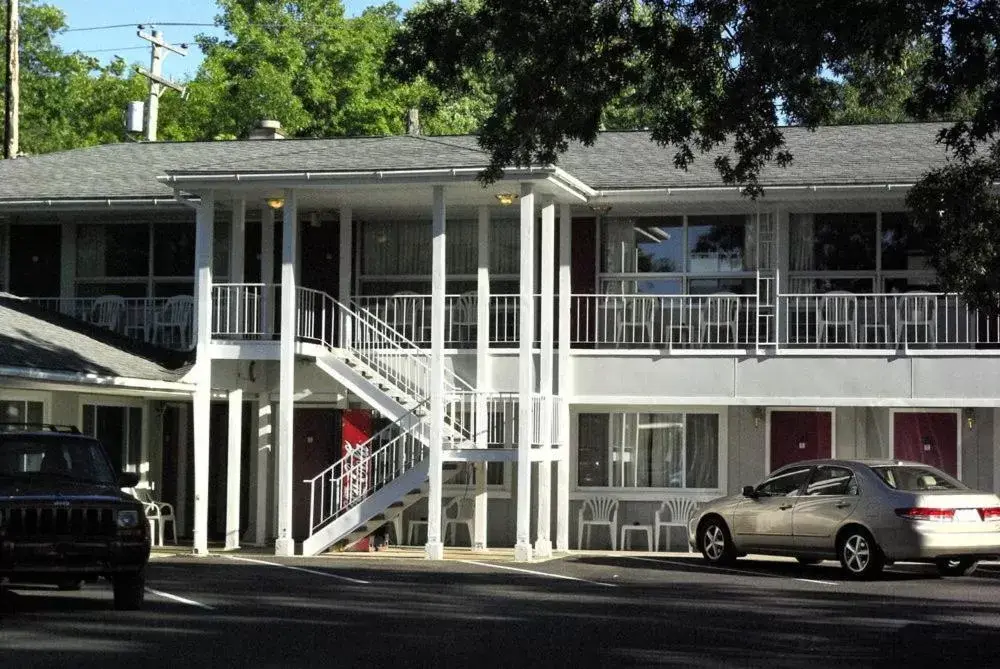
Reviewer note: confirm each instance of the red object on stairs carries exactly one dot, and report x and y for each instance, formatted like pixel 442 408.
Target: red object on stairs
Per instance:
pixel 357 429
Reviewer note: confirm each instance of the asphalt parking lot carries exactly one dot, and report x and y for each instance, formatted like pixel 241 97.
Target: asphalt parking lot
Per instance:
pixel 584 610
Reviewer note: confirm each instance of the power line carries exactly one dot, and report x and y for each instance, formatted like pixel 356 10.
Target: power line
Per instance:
pixel 124 48
pixel 134 25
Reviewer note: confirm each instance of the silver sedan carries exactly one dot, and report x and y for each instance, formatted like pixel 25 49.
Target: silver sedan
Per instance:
pixel 864 513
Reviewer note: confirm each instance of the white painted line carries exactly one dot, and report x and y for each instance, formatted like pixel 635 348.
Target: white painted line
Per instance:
pixel 314 572
pixel 182 600
pixel 741 572
pixel 537 573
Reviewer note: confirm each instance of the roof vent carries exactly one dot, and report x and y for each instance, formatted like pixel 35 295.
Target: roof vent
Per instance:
pixel 267 129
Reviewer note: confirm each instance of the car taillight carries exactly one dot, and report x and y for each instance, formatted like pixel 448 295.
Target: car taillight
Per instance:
pixel 924 513
pixel 990 513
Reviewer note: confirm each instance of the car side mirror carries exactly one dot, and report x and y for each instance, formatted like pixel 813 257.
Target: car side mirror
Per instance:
pixel 128 480
pixel 749 491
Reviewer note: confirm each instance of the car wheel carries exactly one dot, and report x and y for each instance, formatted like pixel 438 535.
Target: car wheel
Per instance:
pixel 808 561
pixel 715 542
pixel 860 556
pixel 130 589
pixel 956 567
pixel 71 584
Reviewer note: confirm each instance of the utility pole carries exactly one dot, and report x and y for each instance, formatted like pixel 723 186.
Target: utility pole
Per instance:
pixel 12 102
pixel 156 79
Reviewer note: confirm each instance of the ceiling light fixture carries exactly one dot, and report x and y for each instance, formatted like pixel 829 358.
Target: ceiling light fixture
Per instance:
pixel 506 199
pixel 276 202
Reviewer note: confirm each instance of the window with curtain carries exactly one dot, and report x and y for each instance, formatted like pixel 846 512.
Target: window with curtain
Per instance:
pixel 21 411
pixel 648 450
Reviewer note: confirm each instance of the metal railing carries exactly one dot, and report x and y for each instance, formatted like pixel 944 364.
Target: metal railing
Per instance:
pixel 244 310
pixel 135 317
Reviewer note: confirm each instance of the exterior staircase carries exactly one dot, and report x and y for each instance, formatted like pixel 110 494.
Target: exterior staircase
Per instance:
pixel 376 481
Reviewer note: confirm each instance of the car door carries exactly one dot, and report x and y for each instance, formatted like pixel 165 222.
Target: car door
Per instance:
pixel 831 496
pixel 764 521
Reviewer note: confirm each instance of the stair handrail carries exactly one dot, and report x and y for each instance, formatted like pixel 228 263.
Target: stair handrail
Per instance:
pixel 349 469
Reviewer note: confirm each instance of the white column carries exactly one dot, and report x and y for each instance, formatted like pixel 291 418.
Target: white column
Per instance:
pixel 267 267
pixel 233 466
pixel 262 461
pixel 180 510
pixel 483 381
pixel 284 544
pixel 565 290
pixel 543 541
pixel 525 367
pixel 435 547
pixel 205 222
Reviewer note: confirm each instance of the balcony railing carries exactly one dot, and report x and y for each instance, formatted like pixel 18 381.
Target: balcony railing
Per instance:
pixel 162 321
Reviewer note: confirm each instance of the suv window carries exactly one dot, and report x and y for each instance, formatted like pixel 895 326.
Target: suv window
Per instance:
pixel 59 456
pixel 830 480
pixel 784 482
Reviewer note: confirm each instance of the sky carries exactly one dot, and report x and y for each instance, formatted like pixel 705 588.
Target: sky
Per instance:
pixel 123 41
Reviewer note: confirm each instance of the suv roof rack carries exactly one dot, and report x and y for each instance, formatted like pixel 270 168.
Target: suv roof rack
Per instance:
pixel 39 427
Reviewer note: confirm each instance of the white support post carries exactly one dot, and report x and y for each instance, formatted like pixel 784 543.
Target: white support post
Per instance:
pixel 565 291
pixel 233 469
pixel 346 256
pixel 284 544
pixel 483 381
pixel 543 540
pixel 262 457
pixel 526 385
pixel 267 268
pixel 205 224
pixel 183 416
pixel 435 547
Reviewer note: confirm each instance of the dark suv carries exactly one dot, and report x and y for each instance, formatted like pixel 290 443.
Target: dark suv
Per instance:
pixel 63 516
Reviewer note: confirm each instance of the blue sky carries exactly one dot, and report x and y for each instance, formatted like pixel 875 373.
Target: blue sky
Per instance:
pixel 105 44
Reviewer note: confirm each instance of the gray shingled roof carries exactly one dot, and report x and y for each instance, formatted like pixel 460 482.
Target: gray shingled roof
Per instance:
pixel 860 154
pixel 35 339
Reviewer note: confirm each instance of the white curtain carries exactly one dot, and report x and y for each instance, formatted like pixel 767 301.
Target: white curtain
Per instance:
pixel 505 246
pixel 702 450
pixel 619 245
pixel 660 452
pixel 801 242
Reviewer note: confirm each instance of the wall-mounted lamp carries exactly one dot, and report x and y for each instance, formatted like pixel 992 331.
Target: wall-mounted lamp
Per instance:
pixel 926 443
pixel 970 418
pixel 276 202
pixel 758 416
pixel 802 443
pixel 506 199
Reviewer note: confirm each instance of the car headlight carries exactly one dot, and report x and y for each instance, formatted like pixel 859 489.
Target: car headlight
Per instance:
pixel 128 520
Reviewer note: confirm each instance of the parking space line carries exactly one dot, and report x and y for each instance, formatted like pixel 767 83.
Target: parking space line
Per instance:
pixel 741 572
pixel 537 573
pixel 179 599
pixel 314 572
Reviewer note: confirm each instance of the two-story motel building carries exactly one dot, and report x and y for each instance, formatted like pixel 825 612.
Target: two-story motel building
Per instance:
pixel 376 342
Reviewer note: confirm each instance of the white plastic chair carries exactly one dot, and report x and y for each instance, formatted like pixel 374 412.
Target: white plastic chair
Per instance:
pixel 107 312
pixel 916 310
pixel 160 513
pixel 603 513
pixel 837 309
pixel 464 510
pixel 637 313
pixel 464 316
pixel 679 510
pixel 719 312
pixel 174 317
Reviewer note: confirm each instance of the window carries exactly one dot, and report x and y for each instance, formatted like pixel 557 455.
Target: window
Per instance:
pixel 112 250
pixel 832 481
pixel 21 411
pixel 648 450
pixel 832 242
pixel 672 255
pixel 917 478
pixel 785 482
pixel 119 429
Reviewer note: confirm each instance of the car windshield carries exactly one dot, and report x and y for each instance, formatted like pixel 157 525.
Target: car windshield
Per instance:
pixel 914 479
pixel 55 457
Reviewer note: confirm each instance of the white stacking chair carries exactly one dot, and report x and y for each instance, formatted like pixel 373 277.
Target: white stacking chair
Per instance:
pixel 464 317
pixel 160 512
pixel 673 512
pixel 107 312
pixel 916 310
pixel 719 313
pixel 603 513
pixel 838 310
pixel 175 316
pixel 459 511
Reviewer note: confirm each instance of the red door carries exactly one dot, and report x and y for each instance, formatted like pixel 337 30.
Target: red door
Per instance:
pixel 800 435
pixel 927 437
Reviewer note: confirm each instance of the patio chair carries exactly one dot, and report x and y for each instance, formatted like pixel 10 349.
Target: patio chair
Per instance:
pixel 719 312
pixel 464 316
pixel 174 319
pixel 837 309
pixel 158 513
pixel 916 310
pixel 459 511
pixel 404 312
pixel 603 512
pixel 673 512
pixel 635 313
pixel 107 312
